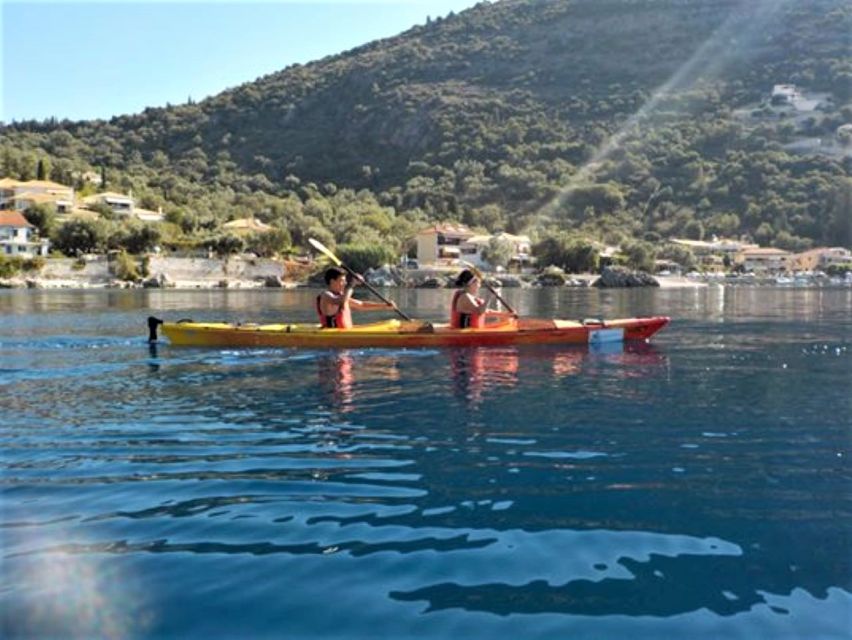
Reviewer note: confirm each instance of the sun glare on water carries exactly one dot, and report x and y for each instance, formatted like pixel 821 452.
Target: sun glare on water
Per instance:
pixel 82 595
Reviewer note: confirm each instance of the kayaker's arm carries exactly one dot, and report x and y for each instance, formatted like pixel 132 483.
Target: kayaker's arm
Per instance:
pixel 369 305
pixel 362 305
pixel 506 315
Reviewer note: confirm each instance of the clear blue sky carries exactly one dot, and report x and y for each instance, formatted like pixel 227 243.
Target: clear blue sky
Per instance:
pixel 82 60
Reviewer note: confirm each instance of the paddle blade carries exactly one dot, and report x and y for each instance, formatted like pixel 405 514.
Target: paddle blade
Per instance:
pixel 319 246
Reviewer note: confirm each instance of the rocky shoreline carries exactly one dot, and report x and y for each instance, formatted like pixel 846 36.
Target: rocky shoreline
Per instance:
pixel 99 272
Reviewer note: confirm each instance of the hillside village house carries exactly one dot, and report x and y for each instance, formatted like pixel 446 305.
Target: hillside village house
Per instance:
pixel 784 94
pixel 711 254
pixel 123 205
pixel 821 258
pixel 120 203
pixel 247 225
pixel 441 244
pixel 472 249
pixel 789 95
pixel 764 260
pixel 446 243
pixel 20 195
pixel 15 238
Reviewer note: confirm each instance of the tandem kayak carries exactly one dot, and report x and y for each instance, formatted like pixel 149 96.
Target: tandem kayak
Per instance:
pixel 402 334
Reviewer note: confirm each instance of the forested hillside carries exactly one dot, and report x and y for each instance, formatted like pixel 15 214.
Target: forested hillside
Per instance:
pixel 613 119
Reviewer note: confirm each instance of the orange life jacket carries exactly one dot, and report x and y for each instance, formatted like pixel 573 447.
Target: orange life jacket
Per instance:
pixel 340 320
pixel 460 320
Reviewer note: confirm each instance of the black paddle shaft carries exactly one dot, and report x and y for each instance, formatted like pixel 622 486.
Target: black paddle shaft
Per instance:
pixel 361 279
pixel 500 298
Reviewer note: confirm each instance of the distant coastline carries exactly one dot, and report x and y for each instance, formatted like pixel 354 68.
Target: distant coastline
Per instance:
pixel 186 273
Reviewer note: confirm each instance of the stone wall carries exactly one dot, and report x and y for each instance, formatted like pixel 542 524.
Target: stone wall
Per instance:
pixel 207 270
pixel 96 271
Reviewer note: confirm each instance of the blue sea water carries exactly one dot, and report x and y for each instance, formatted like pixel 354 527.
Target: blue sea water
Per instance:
pixel 694 487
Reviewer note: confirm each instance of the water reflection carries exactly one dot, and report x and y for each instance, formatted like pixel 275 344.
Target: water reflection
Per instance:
pixel 336 379
pixel 701 479
pixel 478 369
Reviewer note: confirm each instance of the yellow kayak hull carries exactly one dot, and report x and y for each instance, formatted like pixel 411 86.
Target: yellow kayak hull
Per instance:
pixel 398 334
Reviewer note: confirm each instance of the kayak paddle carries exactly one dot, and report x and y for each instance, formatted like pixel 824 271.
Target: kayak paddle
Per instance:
pixel 319 246
pixel 479 275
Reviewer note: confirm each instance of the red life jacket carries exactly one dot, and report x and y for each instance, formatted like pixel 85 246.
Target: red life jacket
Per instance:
pixel 460 320
pixel 340 320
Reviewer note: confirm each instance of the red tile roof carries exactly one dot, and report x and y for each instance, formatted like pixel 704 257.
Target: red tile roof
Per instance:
pixel 448 229
pixel 13 219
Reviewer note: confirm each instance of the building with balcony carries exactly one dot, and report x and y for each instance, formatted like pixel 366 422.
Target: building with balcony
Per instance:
pixel 16 237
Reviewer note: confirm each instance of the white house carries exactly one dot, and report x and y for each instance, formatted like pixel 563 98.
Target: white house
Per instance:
pixel 473 248
pixel 441 243
pixel 789 95
pixel 784 94
pixel 147 215
pixel 15 239
pixel 120 203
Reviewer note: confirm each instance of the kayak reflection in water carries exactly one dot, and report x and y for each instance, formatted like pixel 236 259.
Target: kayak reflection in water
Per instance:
pixel 479 369
pixel 334 305
pixel 337 379
pixel 467 310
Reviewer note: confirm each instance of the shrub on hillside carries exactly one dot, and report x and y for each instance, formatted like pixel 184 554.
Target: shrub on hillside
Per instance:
pixel 360 258
pixel 125 268
pixel 9 266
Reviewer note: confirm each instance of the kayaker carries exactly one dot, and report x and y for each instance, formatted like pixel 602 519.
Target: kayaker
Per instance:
pixel 468 311
pixel 335 303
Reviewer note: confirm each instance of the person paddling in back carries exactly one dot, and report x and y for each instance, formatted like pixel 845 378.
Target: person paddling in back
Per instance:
pixel 467 310
pixel 334 305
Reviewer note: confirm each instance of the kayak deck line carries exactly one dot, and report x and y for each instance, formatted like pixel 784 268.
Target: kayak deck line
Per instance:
pixel 409 333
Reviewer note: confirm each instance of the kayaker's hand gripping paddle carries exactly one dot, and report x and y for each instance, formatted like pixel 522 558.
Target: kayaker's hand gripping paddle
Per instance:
pixel 479 275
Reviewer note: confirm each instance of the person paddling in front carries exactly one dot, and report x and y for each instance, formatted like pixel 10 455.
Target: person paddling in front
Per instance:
pixel 334 305
pixel 468 311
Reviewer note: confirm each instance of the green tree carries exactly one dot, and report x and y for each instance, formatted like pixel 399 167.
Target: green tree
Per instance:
pixel 639 255
pixel 498 252
pixel 680 254
pixel 142 238
pixel 694 230
pixel 76 237
pixel 764 234
pixel 43 217
pixel 571 253
pixel 360 258
pixel 789 242
pixel 227 244
pixel 269 243
pixel 840 219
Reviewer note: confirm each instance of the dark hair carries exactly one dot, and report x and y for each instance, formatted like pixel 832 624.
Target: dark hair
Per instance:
pixel 464 277
pixel 333 273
